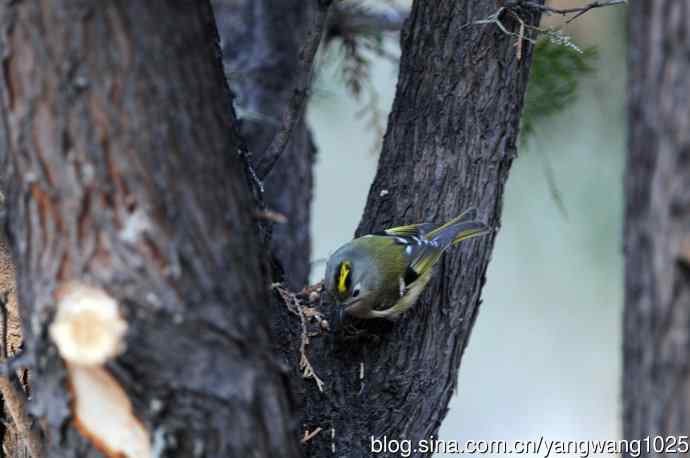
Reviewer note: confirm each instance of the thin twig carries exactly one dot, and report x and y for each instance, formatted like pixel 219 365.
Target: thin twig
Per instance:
pixel 295 307
pixel 579 11
pixel 552 183
pixel 271 215
pixel 298 101
pixel 555 35
pixel 521 37
pixel 333 440
pixel 310 435
pixel 257 188
pixel 495 19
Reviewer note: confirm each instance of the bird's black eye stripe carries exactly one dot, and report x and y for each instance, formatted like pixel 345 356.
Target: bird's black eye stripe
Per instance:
pixel 410 276
pixel 355 292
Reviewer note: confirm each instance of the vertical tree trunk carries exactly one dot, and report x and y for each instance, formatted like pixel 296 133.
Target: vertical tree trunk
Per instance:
pixel 262 41
pixel 656 364
pixel 450 143
pixel 125 176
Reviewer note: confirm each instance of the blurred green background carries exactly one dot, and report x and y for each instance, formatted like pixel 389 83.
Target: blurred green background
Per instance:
pixel 544 358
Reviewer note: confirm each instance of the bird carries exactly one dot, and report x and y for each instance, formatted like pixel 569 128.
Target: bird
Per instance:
pixel 381 275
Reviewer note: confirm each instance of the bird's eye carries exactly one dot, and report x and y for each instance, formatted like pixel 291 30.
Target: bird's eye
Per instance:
pixel 355 292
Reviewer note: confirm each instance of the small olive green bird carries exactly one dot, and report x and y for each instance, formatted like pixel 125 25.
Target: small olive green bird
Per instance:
pixel 381 275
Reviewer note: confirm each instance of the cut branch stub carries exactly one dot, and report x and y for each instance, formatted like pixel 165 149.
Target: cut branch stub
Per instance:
pixel 88 328
pixel 104 415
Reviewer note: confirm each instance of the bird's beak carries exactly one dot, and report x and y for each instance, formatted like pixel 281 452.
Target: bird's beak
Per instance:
pixel 346 307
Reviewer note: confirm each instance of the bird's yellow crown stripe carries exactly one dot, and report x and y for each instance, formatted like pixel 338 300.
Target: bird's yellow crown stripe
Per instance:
pixel 343 277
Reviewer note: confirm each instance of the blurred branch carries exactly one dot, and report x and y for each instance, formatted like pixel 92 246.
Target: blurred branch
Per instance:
pixel 554 76
pixel 360 30
pixel 564 11
pixel 295 108
pixel 553 82
pixel 352 18
pixel 345 21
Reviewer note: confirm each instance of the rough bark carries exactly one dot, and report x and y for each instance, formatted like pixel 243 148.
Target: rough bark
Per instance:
pixel 13 434
pixel 450 143
pixel 656 364
pixel 262 41
pixel 125 176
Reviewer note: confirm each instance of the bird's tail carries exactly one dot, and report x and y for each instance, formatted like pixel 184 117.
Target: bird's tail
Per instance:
pixel 462 227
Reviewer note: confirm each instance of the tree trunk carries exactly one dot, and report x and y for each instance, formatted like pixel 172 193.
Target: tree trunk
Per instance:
pixel 451 139
pixel 656 363
pixel 125 177
pixel 262 41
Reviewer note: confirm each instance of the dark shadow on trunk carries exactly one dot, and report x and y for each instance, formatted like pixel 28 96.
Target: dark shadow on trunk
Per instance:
pixel 261 43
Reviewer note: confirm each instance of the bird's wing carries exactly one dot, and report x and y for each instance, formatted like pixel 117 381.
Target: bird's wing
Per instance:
pixel 423 256
pixel 420 255
pixel 418 252
pixel 410 230
pixel 426 256
pixel 406 300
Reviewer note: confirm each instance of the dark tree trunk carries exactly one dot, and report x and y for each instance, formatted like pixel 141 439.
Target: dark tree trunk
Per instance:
pixel 262 41
pixel 126 177
pixel 450 143
pixel 656 364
